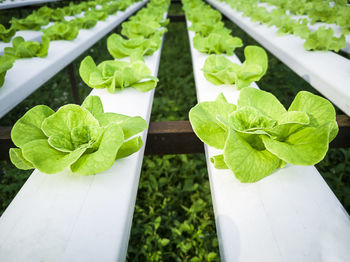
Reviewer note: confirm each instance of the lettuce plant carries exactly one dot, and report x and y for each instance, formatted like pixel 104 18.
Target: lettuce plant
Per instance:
pixel 204 28
pixel 258 135
pixel 324 39
pixel 53 15
pixel 111 8
pixel 203 13
pixel 219 70
pixel 124 4
pixel 85 22
pixel 62 31
pixel 117 75
pixel 119 47
pixel 6 34
pixel 216 43
pixel 343 19
pixel 147 15
pixel 31 22
pixel 322 12
pixel 44 12
pixel 133 29
pixel 97 14
pixel 6 62
pixel 82 138
pixel 57 15
pixel 26 49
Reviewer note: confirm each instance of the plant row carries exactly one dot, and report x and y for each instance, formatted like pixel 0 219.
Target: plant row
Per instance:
pixel 84 139
pixel 60 30
pixel 321 39
pixel 257 135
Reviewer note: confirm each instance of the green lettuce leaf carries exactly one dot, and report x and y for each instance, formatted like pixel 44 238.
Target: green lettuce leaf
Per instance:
pixel 216 43
pixel 208 128
pixel 62 31
pixel 119 47
pixel 219 70
pixel 259 135
pixel 82 138
pixel 246 162
pixel 27 49
pixel 324 39
pixel 6 34
pixel 31 22
pixel 134 29
pixel 117 75
pixel 6 62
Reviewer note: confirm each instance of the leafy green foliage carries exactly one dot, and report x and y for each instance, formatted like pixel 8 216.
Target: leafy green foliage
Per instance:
pixel 119 47
pixel 6 34
pixel 97 14
pixel 261 135
pixel 174 96
pixel 117 75
pixel 26 49
pixel 316 11
pixel 83 138
pixel 324 39
pixel 220 70
pixel 173 217
pixel 133 29
pixel 62 31
pixel 6 62
pixel 31 22
pixel 217 43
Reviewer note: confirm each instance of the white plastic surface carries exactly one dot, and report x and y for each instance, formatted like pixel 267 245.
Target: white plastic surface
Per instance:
pixel 31 35
pixel 28 35
pixel 337 29
pixel 79 218
pixel 7 4
pixel 327 72
pixel 27 75
pixel 291 215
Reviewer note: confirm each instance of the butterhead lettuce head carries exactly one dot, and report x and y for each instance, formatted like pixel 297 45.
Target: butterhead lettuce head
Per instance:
pixel 220 70
pixel 258 135
pixel 117 75
pixel 82 138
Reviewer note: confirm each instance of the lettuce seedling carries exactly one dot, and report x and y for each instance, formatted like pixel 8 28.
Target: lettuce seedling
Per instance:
pixel 6 34
pixel 62 31
pixel 343 19
pixel 219 70
pixel 204 28
pixel 119 47
pixel 82 138
pixel 6 62
pixel 97 14
pixel 117 75
pixel 26 49
pixel 132 29
pixel 85 22
pixel 148 15
pixel 324 39
pixel 203 13
pixel 258 135
pixel 217 43
pixel 31 22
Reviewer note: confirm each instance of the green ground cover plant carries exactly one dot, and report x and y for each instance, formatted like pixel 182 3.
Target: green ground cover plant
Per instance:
pixel 173 217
